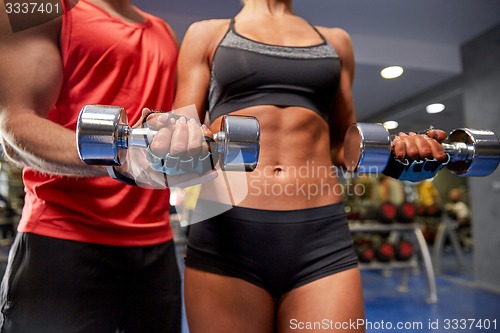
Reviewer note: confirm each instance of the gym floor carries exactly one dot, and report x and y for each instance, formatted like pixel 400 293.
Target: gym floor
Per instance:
pixel 461 307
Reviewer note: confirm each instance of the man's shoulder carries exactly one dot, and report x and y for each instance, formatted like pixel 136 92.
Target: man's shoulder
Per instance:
pixel 30 18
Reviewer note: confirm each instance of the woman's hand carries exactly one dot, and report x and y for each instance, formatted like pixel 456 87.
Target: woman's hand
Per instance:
pixel 417 156
pixel 419 146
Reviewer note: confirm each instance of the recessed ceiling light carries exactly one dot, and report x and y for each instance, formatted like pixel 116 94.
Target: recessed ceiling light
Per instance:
pixel 391 124
pixel 391 72
pixel 434 108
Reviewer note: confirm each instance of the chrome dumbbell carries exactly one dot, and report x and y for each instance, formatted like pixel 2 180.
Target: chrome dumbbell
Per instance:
pixel 472 152
pixel 103 137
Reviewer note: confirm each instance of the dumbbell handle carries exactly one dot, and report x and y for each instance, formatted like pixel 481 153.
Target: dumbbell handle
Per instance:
pixel 142 136
pixel 458 150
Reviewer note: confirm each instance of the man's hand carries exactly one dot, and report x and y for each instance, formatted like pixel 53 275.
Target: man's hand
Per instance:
pixel 176 137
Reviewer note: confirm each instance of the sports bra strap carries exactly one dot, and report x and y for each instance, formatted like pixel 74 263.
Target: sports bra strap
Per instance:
pixel 231 25
pixel 233 29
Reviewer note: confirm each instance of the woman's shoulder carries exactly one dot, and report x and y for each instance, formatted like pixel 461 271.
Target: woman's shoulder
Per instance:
pixel 209 28
pixel 206 35
pixel 338 37
pixel 335 34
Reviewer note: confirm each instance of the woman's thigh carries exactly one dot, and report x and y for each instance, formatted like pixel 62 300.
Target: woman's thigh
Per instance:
pixel 330 304
pixel 221 304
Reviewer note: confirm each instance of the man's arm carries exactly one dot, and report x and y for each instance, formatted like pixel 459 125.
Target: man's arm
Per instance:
pixel 31 75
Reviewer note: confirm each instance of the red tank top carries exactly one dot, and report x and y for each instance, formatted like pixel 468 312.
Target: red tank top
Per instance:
pixel 106 61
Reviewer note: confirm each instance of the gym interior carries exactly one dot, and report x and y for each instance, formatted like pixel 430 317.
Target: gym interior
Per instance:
pixel 428 251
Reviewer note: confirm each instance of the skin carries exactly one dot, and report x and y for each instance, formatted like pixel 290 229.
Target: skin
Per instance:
pixel 25 101
pixel 218 303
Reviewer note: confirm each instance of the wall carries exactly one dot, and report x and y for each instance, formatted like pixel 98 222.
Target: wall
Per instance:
pixel 481 83
pixel 479 90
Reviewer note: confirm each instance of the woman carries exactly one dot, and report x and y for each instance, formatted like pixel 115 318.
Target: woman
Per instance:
pixel 282 258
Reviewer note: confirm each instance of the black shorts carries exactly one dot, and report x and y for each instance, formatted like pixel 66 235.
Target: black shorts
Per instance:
pixel 275 250
pixel 54 285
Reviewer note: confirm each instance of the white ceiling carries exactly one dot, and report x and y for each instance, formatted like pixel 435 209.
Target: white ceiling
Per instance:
pixel 424 36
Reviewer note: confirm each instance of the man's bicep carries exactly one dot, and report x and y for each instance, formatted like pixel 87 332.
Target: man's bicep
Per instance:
pixel 30 68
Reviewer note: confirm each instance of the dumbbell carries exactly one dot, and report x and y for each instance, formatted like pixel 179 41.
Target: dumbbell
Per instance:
pixel 365 253
pixel 367 148
pixel 406 212
pixel 385 252
pixel 403 250
pixel 387 212
pixel 103 137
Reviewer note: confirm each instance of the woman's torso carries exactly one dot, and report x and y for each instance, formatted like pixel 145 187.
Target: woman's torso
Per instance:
pixel 295 167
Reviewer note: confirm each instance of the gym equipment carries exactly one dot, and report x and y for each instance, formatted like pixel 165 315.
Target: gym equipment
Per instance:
pixel 387 212
pixel 433 210
pixel 403 250
pixel 365 253
pixel 103 137
pixel 406 212
pixel 363 246
pixel 367 148
pixel 385 252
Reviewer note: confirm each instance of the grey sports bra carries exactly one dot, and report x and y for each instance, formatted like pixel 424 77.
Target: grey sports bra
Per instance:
pixel 247 73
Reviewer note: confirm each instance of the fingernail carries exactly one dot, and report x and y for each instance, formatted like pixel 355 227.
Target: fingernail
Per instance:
pixel 182 120
pixel 193 121
pixel 164 117
pixel 204 127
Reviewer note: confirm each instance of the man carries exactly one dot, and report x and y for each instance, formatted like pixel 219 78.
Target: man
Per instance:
pixel 92 254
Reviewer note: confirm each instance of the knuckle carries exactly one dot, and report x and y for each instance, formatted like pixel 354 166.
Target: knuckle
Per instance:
pixel 441 156
pixel 426 151
pixel 157 149
pixel 195 144
pixel 178 147
pixel 412 152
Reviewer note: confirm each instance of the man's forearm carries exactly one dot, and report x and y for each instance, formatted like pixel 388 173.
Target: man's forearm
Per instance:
pixel 40 144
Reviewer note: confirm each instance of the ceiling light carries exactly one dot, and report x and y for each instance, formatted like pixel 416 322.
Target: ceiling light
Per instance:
pixel 391 72
pixel 391 124
pixel 434 108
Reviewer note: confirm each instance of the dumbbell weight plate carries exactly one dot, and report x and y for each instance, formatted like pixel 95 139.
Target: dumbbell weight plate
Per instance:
pixel 99 134
pixel 403 251
pixel 385 253
pixel 387 212
pixel 238 142
pixel 482 155
pixel 406 212
pixel 367 148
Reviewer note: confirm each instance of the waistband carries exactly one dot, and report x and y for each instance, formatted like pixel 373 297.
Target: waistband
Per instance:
pixel 282 216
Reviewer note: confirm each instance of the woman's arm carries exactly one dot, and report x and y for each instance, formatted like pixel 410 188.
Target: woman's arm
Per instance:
pixel 342 115
pixel 193 67
pixel 416 147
